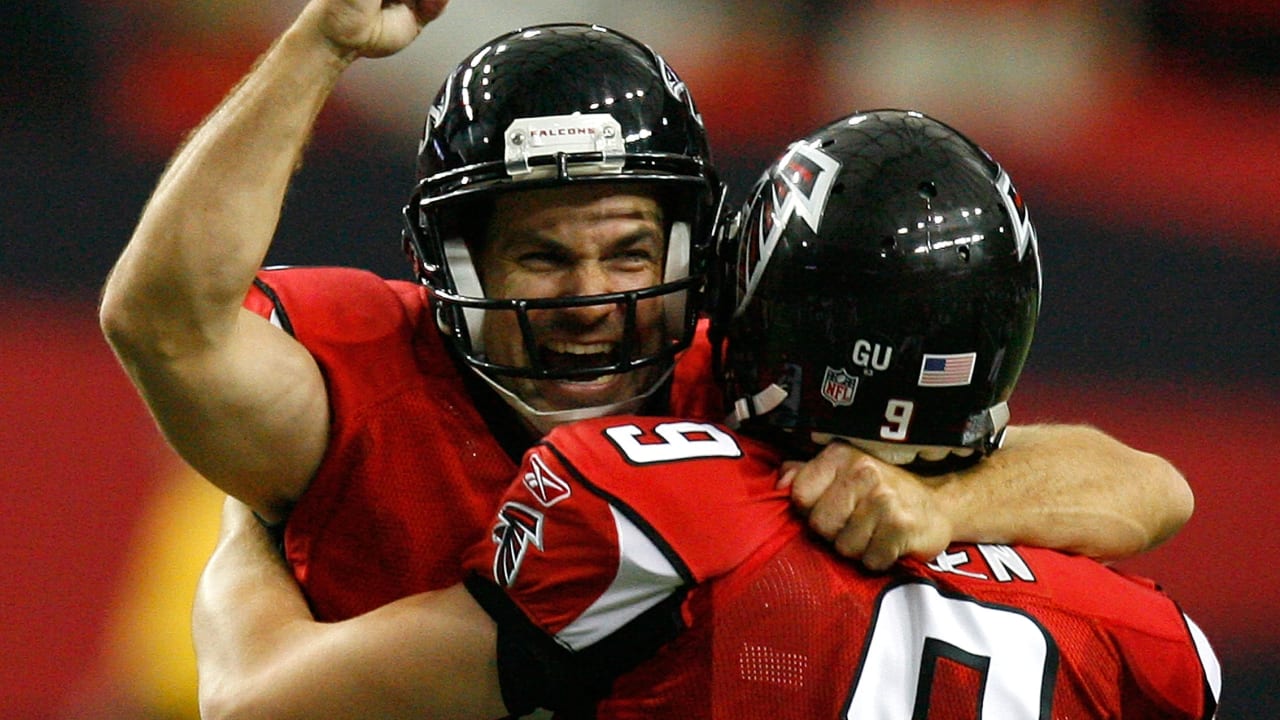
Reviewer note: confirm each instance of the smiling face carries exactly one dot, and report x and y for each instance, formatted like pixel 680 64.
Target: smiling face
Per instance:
pixel 569 242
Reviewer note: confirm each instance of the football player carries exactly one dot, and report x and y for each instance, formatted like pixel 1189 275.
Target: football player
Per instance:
pixel 559 232
pixel 652 567
pixel 883 294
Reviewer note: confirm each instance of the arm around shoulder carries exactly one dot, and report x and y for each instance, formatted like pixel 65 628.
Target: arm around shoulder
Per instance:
pixel 260 654
pixel 1070 487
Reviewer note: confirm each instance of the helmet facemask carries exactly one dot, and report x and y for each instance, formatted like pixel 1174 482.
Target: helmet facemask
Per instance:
pixel 463 306
pixel 550 107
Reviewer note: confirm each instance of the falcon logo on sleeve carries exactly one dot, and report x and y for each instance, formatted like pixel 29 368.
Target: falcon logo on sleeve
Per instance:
pixel 518 527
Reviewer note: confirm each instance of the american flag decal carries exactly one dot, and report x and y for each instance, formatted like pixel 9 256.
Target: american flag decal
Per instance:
pixel 947 370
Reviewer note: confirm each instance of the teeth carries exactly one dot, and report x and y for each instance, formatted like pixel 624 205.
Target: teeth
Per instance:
pixel 579 348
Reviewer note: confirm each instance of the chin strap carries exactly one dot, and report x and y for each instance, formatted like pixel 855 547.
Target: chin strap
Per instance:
pixel 745 408
pixel 544 420
pixel 467 283
pixel 999 415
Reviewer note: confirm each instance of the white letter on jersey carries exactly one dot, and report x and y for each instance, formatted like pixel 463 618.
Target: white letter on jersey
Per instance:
pixel 1006 563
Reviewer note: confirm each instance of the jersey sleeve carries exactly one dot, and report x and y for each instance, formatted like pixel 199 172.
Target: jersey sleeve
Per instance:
pixel 612 517
pixel 333 302
pixel 1163 687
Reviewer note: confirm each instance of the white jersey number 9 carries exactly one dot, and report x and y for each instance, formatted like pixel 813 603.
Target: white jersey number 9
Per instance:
pixel 1013 659
pixel 684 440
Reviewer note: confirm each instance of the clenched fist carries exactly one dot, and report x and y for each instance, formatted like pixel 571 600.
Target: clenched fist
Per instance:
pixel 869 509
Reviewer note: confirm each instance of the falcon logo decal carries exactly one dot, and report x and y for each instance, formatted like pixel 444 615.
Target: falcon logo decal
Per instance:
pixel 518 527
pixel 545 485
pixel 677 88
pixel 435 114
pixel 1023 232
pixel 797 186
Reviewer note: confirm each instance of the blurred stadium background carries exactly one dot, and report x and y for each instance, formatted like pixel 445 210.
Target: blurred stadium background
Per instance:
pixel 1145 136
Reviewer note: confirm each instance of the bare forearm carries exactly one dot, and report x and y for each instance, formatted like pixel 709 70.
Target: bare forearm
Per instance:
pixel 261 654
pixel 207 227
pixel 210 221
pixel 239 400
pixel 245 602
pixel 1069 487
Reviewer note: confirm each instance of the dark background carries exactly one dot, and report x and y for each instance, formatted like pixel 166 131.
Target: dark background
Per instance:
pixel 1145 137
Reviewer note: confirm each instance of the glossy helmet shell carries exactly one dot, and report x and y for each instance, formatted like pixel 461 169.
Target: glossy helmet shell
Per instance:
pixel 885 273
pixel 547 106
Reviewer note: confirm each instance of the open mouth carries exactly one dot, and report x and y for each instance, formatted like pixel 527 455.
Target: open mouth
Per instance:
pixel 568 357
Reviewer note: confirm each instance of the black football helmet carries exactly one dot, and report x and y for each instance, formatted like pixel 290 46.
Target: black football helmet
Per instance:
pixel 883 284
pixel 545 106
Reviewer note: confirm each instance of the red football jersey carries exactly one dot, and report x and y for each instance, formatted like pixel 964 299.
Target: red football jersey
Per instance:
pixel 412 473
pixel 610 517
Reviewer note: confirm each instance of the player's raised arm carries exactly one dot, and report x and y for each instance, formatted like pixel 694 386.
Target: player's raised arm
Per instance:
pixel 241 401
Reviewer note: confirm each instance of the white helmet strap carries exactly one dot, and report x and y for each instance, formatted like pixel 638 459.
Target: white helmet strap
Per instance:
pixel 467 283
pixel 677 268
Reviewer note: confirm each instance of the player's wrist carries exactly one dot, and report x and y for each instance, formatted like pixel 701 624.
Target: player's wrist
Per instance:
pixel 955 498
pixel 306 44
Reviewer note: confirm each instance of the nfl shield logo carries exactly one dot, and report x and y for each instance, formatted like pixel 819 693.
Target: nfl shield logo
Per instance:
pixel 838 387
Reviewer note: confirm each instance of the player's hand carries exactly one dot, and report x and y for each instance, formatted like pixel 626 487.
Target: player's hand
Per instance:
pixel 869 509
pixel 370 28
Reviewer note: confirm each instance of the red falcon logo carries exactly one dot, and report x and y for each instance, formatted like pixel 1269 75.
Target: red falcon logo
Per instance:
pixel 1024 232
pixel 518 527
pixel 798 185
